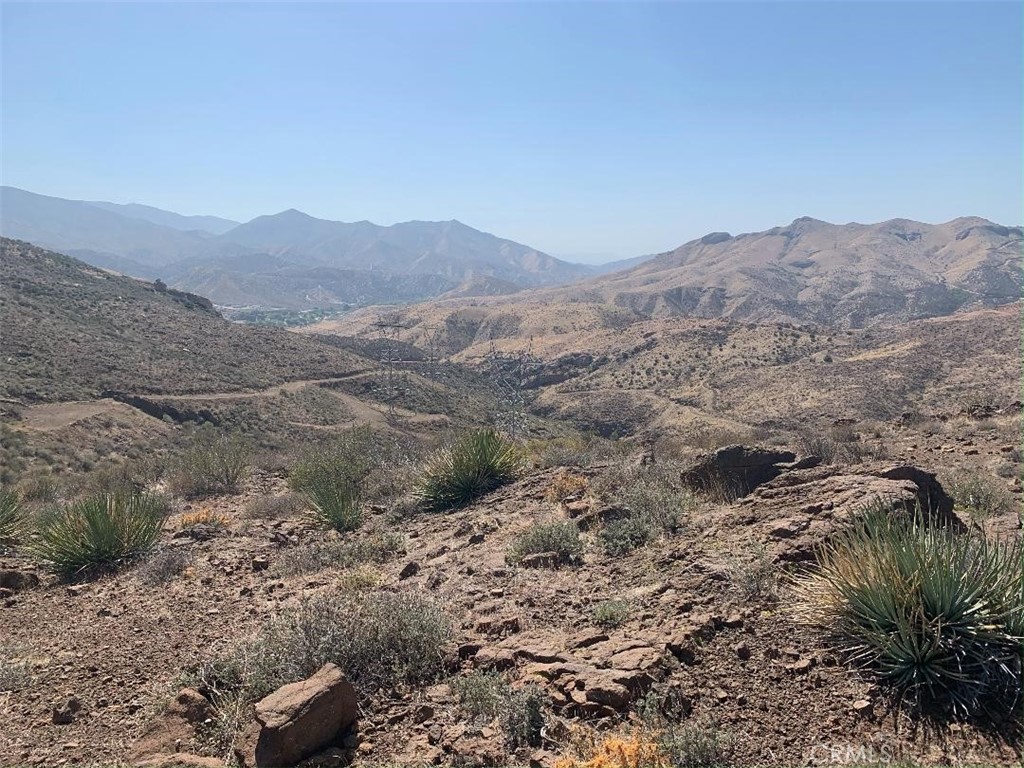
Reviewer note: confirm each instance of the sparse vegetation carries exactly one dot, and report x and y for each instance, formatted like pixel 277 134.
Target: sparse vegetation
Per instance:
pixel 610 613
pixel 937 615
pixel 977 497
pixel 566 485
pixel 380 639
pixel 620 537
pixel 756 577
pixel 274 507
pixel 211 465
pixel 315 556
pixel 101 532
pixel 164 565
pixel 11 516
pixel 474 466
pixel 560 538
pixel 15 672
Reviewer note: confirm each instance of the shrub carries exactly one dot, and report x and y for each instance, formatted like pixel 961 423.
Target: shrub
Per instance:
pixel 99 533
pixel 571 451
pixel 610 613
pixel 620 537
pixel 11 515
pixel 485 696
pixel 560 537
pixel 978 497
pixel 380 639
pixel 335 503
pixel 210 466
pixel 15 673
pixel 756 578
pixel 274 507
pixel 40 488
pixel 474 466
pixel 936 614
pixel 653 500
pixel 695 746
pixel 164 565
pixel 315 556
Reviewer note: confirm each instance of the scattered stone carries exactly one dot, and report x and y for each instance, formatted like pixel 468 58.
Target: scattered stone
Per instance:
pixel 863 707
pixel 540 560
pixel 300 719
pixel 18 581
pixel 65 713
pixel 742 651
pixel 260 563
pixel 409 570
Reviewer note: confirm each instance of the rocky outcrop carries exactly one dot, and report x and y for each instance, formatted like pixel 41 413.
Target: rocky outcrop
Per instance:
pixel 299 720
pixel 797 511
pixel 169 736
pixel 739 469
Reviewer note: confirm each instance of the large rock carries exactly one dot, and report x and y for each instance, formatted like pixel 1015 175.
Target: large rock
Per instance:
pixel 175 729
pixel 799 509
pixel 300 719
pixel 738 469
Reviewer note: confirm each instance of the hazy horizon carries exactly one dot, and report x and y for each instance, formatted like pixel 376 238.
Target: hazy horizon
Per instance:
pixel 590 132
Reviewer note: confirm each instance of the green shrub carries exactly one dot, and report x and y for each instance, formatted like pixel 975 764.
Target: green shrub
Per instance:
pixel 335 503
pixel 978 497
pixel 380 639
pixel 620 537
pixel 610 613
pixel 485 696
pixel 695 745
pixel 99 533
pixel 11 515
pixel 936 614
pixel 212 465
pixel 474 466
pixel 559 537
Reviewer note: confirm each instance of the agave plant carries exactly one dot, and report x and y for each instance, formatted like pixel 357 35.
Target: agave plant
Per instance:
pixel 11 516
pixel 935 613
pixel 474 466
pixel 335 502
pixel 101 532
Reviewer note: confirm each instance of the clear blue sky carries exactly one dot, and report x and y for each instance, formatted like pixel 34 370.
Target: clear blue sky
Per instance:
pixel 578 128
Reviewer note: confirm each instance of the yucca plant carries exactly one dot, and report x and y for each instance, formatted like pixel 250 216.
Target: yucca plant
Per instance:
pixel 474 466
pixel 11 517
pixel 935 613
pixel 99 533
pixel 334 501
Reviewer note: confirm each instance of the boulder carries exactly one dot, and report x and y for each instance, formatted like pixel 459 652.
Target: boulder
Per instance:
pixel 737 468
pixel 299 720
pixel 798 510
pixel 175 728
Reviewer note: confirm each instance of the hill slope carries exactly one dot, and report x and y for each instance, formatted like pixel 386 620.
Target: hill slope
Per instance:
pixel 847 275
pixel 71 331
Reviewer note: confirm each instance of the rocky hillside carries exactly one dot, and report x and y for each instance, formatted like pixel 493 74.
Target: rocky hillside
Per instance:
pixel 71 331
pixel 851 275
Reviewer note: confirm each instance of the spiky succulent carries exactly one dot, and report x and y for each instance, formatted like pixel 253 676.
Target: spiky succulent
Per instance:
pixel 474 466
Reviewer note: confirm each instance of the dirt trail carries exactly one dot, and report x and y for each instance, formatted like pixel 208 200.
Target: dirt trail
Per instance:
pixel 53 416
pixel 277 389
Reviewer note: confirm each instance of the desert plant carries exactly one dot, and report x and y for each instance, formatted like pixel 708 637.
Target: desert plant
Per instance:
pixel 559 537
pixel 695 745
pixel 335 503
pixel 936 614
pixel 164 565
pixel 610 613
pixel 620 537
pixel 564 486
pixel 977 497
pixel 211 465
pixel 474 466
pixel 480 694
pixel 309 558
pixel 756 578
pixel 15 672
pixel 11 515
pixel 380 639
pixel 100 532
pixel 274 507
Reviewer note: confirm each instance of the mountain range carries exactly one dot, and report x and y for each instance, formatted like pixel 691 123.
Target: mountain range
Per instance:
pixel 288 260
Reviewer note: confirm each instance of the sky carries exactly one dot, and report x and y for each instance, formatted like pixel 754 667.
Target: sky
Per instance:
pixel 587 130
